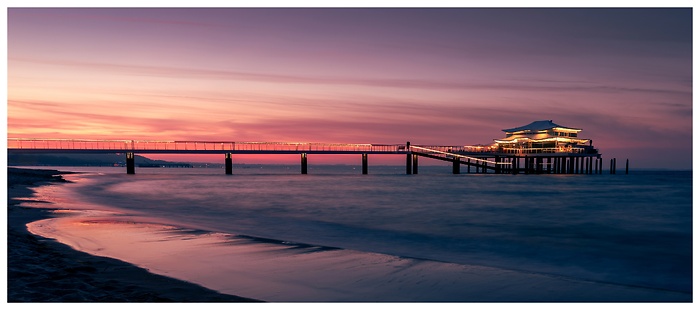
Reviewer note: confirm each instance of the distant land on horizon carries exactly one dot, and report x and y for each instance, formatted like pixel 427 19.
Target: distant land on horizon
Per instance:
pixel 115 160
pixel 101 160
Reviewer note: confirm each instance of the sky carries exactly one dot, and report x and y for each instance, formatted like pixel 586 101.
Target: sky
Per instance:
pixel 437 76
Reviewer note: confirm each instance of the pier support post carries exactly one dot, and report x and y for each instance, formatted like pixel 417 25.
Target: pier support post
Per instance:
pixel 579 165
pixel 469 165
pixel 512 166
pixel 562 165
pixel 229 163
pixel 612 165
pixel 455 165
pixel 364 163
pixel 304 166
pixel 497 166
pixel 415 163
pixel 627 166
pixel 527 165
pixel 571 165
pixel 409 161
pixel 130 166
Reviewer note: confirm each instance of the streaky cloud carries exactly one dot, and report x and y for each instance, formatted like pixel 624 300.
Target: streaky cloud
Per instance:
pixel 191 73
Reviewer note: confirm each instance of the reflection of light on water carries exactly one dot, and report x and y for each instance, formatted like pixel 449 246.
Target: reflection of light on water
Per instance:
pixel 469 219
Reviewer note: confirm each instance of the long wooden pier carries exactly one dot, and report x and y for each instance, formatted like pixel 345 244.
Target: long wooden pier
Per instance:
pixel 478 158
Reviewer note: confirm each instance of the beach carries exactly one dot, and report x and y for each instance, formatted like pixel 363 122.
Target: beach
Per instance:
pixel 43 270
pixel 242 249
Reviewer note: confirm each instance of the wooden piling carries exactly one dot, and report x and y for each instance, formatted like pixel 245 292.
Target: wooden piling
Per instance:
pixel 409 158
pixel 580 164
pixel 304 166
pixel 497 166
pixel 572 164
pixel 364 163
pixel 455 165
pixel 627 166
pixel 130 163
pixel 526 162
pixel 229 163
pixel 595 168
pixel 415 163
pixel 587 165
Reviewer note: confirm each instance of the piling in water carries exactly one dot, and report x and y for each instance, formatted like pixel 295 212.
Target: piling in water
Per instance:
pixel 229 163
pixel 130 167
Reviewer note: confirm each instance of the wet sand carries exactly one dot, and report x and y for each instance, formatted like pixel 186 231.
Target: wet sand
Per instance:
pixel 43 270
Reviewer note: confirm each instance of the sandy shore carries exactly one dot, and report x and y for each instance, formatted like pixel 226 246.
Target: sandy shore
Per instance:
pixel 43 270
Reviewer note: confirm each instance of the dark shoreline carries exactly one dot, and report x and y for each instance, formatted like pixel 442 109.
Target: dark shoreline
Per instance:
pixel 43 270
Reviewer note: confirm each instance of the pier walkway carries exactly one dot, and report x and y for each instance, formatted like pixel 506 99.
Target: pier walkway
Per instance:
pixel 480 158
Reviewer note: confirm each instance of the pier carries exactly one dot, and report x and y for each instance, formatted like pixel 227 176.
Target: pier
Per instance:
pixel 477 159
pixel 541 147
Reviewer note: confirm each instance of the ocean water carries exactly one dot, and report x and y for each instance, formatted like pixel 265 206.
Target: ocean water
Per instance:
pixel 633 230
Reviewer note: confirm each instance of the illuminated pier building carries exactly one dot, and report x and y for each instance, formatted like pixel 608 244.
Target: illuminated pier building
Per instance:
pixel 543 137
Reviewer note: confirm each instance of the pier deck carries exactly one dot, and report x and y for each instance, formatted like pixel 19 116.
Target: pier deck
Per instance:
pixel 483 160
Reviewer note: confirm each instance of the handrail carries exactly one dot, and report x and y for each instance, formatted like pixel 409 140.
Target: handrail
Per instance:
pixel 252 146
pixel 158 145
pixel 458 155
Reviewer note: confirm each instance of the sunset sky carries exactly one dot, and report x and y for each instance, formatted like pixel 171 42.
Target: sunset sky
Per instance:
pixel 427 75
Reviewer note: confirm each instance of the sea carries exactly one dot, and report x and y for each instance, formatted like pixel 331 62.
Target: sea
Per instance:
pixel 631 230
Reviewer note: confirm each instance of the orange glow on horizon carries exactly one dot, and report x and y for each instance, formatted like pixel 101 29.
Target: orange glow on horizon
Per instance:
pixel 432 77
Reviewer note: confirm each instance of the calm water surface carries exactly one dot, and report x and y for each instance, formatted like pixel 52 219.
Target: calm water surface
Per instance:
pixel 627 229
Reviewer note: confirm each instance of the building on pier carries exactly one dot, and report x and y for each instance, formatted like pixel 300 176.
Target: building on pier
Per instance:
pixel 543 137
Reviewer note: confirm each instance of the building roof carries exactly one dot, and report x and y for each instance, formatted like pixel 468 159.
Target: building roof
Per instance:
pixel 540 138
pixel 538 125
